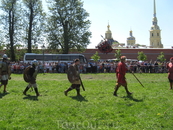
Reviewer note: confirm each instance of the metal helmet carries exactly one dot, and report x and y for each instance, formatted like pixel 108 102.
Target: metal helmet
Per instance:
pixel 35 62
pixel 5 56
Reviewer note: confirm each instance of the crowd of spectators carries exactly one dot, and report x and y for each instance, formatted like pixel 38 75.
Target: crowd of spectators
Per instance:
pixel 93 67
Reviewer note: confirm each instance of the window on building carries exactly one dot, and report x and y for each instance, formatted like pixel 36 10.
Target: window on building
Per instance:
pixel 152 34
pixel 157 34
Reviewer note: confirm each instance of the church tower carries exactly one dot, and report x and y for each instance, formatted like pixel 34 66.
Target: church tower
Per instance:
pixel 108 34
pixel 131 40
pixel 155 32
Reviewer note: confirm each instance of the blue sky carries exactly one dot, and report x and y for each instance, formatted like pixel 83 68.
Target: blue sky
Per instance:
pixel 124 15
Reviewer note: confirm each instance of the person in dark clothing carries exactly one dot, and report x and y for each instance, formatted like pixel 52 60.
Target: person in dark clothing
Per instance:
pixel 30 76
pixel 74 77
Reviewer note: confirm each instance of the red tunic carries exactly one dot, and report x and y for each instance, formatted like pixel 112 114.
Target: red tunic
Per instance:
pixel 120 72
pixel 170 70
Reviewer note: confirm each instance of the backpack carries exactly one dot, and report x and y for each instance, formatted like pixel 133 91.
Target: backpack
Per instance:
pixel 26 76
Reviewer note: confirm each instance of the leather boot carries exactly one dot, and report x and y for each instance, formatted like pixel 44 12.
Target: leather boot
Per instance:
pixel 127 91
pixel 36 91
pixel 78 92
pixel 66 91
pixel 116 89
pixel 26 89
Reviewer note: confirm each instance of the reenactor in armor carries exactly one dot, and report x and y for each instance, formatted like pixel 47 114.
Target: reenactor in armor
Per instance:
pixel 74 77
pixel 29 75
pixel 5 72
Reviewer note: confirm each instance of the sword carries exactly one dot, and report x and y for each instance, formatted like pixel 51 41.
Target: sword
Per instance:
pixel 81 83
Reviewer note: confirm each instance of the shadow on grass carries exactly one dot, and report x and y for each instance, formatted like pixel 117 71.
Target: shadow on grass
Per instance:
pixel 3 94
pixel 131 98
pixel 29 97
pixel 79 98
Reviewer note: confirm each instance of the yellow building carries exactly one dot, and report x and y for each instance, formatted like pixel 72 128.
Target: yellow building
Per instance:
pixel 108 34
pixel 131 40
pixel 155 32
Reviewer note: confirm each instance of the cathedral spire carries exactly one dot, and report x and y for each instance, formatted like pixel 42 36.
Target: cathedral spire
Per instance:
pixel 108 34
pixel 154 18
pixel 154 8
pixel 108 27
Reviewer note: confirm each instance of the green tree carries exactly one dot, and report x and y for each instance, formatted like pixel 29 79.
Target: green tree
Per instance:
pixel 95 57
pixel 161 57
pixel 68 26
pixel 10 18
pixel 141 56
pixel 33 22
pixel 118 54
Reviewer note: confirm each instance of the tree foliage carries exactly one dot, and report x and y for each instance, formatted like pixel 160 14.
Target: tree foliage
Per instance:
pixel 10 19
pixel 95 57
pixel 33 22
pixel 68 25
pixel 118 54
pixel 22 23
pixel 161 57
pixel 142 56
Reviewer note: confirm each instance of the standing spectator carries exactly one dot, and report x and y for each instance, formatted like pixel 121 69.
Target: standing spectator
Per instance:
pixel 15 68
pixel 150 67
pixel 156 66
pixel 47 67
pixel 50 67
pixel 21 68
pixel 57 67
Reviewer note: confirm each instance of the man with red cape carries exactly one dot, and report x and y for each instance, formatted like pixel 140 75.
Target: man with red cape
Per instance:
pixel 120 74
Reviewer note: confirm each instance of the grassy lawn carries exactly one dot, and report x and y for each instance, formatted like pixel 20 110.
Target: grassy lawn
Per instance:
pixel 149 108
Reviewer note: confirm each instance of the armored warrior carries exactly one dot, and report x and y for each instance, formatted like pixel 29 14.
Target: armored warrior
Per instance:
pixel 29 75
pixel 120 74
pixel 74 77
pixel 5 72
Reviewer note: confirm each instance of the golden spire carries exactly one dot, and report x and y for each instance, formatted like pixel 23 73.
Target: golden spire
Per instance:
pixel 108 26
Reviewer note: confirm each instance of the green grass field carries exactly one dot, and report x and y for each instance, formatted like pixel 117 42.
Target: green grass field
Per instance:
pixel 149 108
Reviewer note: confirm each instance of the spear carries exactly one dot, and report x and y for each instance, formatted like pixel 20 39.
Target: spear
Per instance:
pixel 137 79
